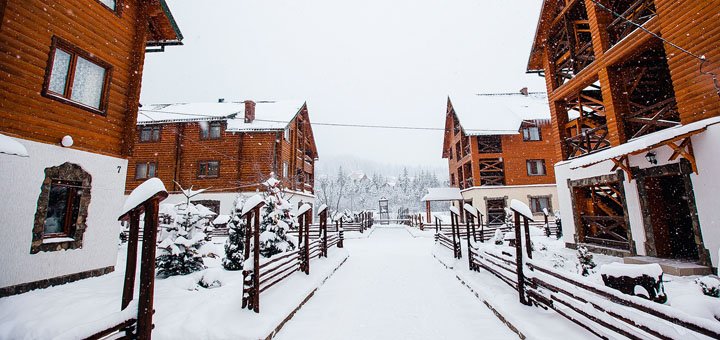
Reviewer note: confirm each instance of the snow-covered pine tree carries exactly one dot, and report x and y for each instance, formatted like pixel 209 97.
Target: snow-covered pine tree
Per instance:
pixel 234 246
pixel 183 232
pixel 276 219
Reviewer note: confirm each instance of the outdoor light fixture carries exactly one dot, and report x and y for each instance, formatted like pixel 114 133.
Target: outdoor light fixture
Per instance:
pixel 67 141
pixel 650 156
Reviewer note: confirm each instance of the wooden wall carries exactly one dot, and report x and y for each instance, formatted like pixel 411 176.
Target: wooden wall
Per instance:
pixel 515 153
pixel 25 40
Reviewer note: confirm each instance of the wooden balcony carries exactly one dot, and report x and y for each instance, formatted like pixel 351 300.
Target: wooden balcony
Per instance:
pixel 492 172
pixel 637 11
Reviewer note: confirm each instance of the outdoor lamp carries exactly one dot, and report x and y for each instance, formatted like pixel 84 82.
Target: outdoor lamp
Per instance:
pixel 650 156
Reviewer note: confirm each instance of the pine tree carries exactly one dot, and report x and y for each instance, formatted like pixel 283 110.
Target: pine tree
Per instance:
pixel 234 246
pixel 586 263
pixel 276 219
pixel 183 232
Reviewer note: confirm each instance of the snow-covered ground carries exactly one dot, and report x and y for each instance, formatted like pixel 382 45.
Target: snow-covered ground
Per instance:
pixel 392 288
pixel 183 308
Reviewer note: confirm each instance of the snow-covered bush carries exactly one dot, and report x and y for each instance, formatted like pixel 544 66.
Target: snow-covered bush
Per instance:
pixel 498 238
pixel 276 218
pixel 234 246
pixel 709 285
pixel 184 229
pixel 586 263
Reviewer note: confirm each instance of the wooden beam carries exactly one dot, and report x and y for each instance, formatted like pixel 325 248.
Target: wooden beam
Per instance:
pixel 685 150
pixel 624 164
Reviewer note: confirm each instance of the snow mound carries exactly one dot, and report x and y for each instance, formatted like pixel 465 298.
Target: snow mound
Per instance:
pixel 251 203
pixel 10 146
pixel 471 210
pixel 142 193
pixel 303 209
pixel 322 208
pixel 617 269
pixel 521 208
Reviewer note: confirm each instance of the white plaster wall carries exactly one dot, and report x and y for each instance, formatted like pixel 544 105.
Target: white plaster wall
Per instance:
pixel 706 185
pixel 518 192
pixel 21 179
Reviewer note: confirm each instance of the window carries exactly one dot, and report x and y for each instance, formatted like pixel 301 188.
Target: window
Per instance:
pixel 535 167
pixel 145 170
pixel 451 152
pixel 286 134
pixel 531 133
pixel 150 133
pixel 538 203
pixel 209 169
pixel 62 209
pixel 211 131
pixel 77 78
pixel 109 4
pixel 285 170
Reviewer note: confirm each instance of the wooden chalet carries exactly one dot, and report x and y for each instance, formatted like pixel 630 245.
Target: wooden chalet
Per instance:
pixel 71 74
pixel 635 123
pixel 500 147
pixel 226 148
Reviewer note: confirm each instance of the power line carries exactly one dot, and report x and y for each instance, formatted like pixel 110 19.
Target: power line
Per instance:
pixel 358 125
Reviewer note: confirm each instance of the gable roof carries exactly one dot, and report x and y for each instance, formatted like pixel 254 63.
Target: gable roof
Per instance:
pixel 535 62
pixel 269 115
pixel 499 114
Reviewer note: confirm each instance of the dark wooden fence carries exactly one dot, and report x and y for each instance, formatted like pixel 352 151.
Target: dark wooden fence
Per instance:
pixel 595 307
pixel 312 243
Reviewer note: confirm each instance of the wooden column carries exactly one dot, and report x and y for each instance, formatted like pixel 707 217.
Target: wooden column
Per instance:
pixel 469 244
pixel 528 241
pixel 306 250
pixel 147 271
pixel 256 259
pixel 131 260
pixel 519 260
pixel 428 215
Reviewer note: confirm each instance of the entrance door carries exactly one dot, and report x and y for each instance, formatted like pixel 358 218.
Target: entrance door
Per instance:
pixel 668 204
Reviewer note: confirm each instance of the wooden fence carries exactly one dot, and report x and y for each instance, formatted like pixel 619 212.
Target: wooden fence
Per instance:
pixel 268 272
pixel 599 309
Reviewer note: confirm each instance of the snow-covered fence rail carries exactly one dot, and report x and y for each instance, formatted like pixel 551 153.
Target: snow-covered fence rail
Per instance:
pixel 603 311
pixel 269 272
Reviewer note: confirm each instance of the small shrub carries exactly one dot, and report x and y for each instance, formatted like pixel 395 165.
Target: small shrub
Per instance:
pixel 710 286
pixel 586 263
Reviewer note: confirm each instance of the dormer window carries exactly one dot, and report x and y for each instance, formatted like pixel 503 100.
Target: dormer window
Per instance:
pixel 213 131
pixel 531 133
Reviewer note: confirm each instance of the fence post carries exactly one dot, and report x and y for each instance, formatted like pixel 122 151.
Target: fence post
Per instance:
pixel 467 230
pixel 323 230
pixel 482 227
pixel 131 260
pixel 341 234
pixel 147 270
pixel 519 260
pixel 256 259
pixel 528 241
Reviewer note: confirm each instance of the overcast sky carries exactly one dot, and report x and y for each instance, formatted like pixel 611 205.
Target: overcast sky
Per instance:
pixel 382 62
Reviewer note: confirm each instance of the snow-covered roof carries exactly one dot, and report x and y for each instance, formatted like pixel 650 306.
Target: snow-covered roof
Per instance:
pixel 499 114
pixel 521 209
pixel 10 146
pixel 641 144
pixel 269 115
pixel 357 175
pixel 442 194
pixel 221 219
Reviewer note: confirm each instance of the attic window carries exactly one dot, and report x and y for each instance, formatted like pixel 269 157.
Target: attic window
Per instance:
pixel 531 133
pixel 212 131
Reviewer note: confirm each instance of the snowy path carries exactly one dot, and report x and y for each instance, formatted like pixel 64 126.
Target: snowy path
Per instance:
pixel 392 288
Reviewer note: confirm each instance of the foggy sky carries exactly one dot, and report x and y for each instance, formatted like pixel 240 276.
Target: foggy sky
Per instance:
pixel 384 62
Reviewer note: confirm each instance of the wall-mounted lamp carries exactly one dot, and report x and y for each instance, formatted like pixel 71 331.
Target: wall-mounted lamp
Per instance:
pixel 650 156
pixel 67 141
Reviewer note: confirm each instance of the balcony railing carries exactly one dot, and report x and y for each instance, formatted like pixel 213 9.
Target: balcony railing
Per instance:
pixel 647 119
pixel 637 13
pixel 587 141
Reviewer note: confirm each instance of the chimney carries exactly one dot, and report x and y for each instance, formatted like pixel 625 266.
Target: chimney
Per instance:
pixel 524 91
pixel 221 100
pixel 249 111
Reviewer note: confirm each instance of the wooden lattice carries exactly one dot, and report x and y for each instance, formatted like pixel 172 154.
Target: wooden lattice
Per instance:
pixel 634 13
pixel 602 215
pixel 492 171
pixel 489 144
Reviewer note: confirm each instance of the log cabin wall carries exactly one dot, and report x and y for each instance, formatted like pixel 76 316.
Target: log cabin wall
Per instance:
pixel 246 158
pixel 693 25
pixel 26 35
pixel 515 153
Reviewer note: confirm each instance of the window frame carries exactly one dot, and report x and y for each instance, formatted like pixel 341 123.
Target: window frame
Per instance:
pixel 209 136
pixel 537 198
pixel 529 136
pixel 67 223
pixel 65 97
pixel 118 7
pixel 207 164
pixel 285 170
pixel 152 129
pixel 541 161
pixel 147 166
